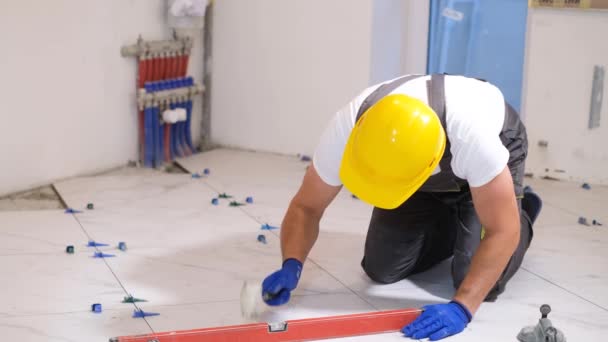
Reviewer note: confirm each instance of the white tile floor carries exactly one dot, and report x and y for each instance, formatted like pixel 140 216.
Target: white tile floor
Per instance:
pixel 189 258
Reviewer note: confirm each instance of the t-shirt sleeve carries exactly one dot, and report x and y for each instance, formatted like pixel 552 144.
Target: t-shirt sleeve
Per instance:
pixel 328 154
pixel 478 154
pixel 480 160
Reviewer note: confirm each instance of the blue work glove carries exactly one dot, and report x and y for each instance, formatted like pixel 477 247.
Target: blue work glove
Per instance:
pixel 439 321
pixel 277 287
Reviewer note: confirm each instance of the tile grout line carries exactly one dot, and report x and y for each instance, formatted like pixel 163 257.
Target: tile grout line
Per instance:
pixel 309 259
pixel 567 211
pixel 565 289
pixel 112 271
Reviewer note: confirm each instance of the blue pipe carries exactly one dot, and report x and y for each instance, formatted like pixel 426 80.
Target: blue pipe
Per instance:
pixel 175 136
pixel 178 135
pixel 172 136
pixel 188 125
pixel 154 130
pixel 184 126
pixel 160 155
pixel 148 138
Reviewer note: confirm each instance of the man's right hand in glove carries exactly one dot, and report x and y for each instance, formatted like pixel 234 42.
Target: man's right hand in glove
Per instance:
pixel 277 287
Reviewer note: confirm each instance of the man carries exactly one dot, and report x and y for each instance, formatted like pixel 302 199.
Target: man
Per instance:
pixel 441 158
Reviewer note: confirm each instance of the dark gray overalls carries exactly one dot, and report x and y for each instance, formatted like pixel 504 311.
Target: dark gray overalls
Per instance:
pixel 439 220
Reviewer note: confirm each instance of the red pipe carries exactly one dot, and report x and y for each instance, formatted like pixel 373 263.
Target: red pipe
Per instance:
pixel 149 68
pixel 184 70
pixel 163 67
pixel 161 62
pixel 142 78
pixel 177 66
pixel 174 65
pixel 143 66
pixel 155 66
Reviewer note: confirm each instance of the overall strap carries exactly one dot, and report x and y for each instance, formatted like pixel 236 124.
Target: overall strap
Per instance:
pixel 382 91
pixel 436 94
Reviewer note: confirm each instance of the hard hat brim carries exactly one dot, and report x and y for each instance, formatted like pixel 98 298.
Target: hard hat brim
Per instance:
pixel 384 195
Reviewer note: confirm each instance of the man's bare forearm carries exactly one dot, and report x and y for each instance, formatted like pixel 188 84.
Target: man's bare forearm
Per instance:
pixel 487 265
pixel 299 231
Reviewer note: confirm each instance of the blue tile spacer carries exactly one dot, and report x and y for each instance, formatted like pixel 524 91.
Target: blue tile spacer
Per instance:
pixel 96 244
pixel 206 171
pixel 103 255
pixel 262 238
pixel 266 226
pixel 249 200
pixel 215 201
pixel 96 308
pixel 72 211
pixel 122 246
pixel 139 313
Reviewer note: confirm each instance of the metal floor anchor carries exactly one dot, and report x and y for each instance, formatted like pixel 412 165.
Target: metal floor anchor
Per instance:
pixel 544 331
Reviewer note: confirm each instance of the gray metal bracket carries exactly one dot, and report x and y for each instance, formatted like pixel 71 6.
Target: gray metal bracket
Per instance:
pixel 157 47
pixel 145 99
pixel 544 331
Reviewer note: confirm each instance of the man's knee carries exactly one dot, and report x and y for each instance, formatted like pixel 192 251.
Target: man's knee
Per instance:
pixel 383 272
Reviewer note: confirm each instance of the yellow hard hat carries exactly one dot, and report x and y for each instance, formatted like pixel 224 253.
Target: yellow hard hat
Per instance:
pixel 392 150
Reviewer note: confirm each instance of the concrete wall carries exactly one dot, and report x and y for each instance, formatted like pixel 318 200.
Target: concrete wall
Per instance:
pixel 562 48
pixel 68 104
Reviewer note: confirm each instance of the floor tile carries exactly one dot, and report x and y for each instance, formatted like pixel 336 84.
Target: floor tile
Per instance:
pixel 7 204
pixel 235 167
pixel 145 191
pixel 211 271
pixel 519 307
pixel 573 199
pixel 45 231
pixel 190 258
pixel 56 283
pixel 574 257
pixel 553 216
pixel 80 326
pixel 272 180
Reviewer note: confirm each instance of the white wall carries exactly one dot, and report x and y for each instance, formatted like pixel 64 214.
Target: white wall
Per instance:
pixel 562 48
pixel 415 36
pixel 388 30
pixel 68 97
pixel 281 69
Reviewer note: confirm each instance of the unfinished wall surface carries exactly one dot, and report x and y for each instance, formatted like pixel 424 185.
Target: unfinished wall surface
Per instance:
pixel 68 104
pixel 562 48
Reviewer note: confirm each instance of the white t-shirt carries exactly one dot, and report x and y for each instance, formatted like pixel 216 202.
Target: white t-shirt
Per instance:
pixel 474 119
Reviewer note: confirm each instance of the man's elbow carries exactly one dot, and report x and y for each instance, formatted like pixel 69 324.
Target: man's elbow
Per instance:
pixel 305 209
pixel 512 235
pixel 509 237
